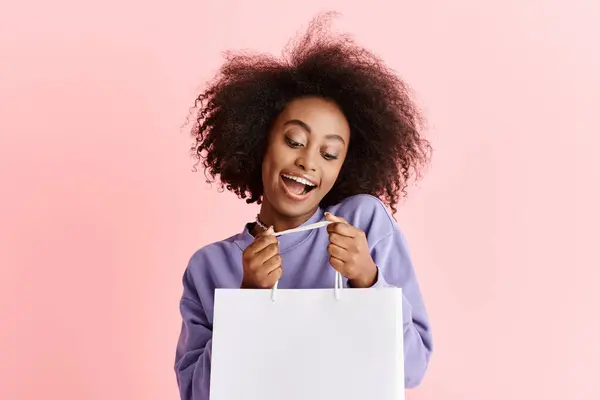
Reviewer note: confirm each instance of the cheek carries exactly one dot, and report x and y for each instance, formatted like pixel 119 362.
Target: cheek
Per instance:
pixel 330 175
pixel 273 161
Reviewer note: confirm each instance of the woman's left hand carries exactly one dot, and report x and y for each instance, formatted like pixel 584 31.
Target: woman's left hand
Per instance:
pixel 349 253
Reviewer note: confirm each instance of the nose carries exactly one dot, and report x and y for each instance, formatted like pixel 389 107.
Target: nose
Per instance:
pixel 306 162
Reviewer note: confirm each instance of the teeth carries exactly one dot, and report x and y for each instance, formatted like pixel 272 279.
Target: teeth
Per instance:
pixel 298 179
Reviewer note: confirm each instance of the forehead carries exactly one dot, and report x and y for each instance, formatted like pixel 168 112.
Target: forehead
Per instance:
pixel 322 116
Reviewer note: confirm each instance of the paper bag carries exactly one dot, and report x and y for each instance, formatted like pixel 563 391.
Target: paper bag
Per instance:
pixel 307 344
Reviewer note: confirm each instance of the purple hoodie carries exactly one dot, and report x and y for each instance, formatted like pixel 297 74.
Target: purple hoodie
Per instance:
pixel 305 265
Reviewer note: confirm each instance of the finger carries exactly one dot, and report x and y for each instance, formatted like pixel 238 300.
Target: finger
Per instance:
pixel 264 236
pixel 342 228
pixel 273 277
pixel 337 264
pixel 266 254
pixel 271 264
pixel 334 218
pixel 258 246
pixel 261 242
pixel 268 232
pixel 276 274
pixel 344 242
pixel 337 252
pixel 267 281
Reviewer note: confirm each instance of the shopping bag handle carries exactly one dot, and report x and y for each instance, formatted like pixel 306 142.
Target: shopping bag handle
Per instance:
pixel 337 287
pixel 316 225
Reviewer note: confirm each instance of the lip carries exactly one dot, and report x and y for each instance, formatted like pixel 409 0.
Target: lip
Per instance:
pixel 307 177
pixel 294 196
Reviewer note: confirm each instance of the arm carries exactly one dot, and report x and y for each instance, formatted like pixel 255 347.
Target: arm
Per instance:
pixel 192 361
pixel 392 258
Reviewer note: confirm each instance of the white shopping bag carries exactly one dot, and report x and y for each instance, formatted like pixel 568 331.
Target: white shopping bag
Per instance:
pixel 308 344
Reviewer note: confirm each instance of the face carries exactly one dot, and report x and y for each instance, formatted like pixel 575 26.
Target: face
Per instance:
pixel 306 149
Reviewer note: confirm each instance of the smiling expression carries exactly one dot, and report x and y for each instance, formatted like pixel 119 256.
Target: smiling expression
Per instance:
pixel 306 149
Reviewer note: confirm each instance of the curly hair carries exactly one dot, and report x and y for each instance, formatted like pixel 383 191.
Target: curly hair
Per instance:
pixel 237 110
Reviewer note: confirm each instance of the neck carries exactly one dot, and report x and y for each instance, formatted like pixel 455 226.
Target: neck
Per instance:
pixel 270 217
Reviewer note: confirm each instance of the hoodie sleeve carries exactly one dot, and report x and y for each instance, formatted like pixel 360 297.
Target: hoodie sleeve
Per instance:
pixel 396 270
pixel 193 354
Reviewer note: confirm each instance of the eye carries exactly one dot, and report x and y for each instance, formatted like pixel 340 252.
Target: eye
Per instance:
pixel 329 156
pixel 293 143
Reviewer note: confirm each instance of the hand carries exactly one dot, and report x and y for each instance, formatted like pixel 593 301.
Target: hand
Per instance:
pixel 349 253
pixel 261 262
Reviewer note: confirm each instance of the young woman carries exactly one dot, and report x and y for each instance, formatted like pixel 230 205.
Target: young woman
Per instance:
pixel 327 132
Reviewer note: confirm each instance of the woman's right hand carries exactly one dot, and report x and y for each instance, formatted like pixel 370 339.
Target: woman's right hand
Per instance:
pixel 262 262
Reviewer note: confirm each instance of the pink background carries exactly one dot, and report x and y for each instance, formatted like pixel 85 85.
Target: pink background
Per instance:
pixel 100 210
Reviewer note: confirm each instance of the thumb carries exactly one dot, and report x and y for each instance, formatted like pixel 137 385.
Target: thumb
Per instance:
pixel 334 218
pixel 268 232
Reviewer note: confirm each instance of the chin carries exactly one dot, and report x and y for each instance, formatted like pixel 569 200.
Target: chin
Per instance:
pixel 293 207
pixel 297 212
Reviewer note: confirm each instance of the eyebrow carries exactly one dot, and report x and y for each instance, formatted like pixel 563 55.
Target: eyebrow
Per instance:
pixel 307 128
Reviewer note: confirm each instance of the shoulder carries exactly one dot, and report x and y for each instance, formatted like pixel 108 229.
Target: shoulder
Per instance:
pixel 201 264
pixel 368 213
pixel 212 250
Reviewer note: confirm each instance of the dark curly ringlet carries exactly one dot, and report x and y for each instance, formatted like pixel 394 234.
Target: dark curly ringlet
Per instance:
pixel 237 110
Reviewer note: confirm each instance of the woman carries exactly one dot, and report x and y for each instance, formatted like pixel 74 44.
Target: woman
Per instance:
pixel 328 132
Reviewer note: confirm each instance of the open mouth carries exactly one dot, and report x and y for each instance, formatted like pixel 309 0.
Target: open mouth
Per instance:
pixel 297 185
